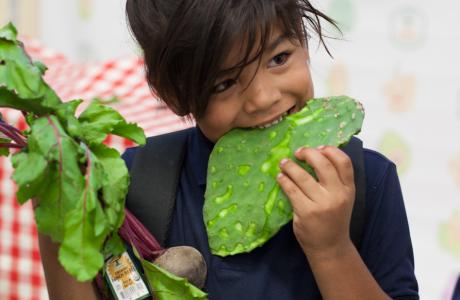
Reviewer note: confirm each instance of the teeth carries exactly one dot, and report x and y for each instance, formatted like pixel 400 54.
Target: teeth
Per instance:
pixel 274 122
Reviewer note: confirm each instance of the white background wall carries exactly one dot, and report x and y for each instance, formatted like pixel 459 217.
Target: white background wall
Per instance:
pixel 399 57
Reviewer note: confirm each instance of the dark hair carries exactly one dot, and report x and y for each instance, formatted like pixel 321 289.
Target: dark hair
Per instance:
pixel 185 42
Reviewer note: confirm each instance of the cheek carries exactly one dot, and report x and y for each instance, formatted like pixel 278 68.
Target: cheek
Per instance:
pixel 216 121
pixel 300 82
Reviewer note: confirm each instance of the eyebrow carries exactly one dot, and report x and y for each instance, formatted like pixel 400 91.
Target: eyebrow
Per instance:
pixel 270 48
pixel 279 40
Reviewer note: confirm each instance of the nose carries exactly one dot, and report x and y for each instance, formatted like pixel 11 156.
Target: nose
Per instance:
pixel 261 94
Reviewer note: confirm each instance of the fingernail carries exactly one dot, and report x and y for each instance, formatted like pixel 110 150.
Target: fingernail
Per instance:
pixel 298 150
pixel 283 161
pixel 279 176
pixel 321 147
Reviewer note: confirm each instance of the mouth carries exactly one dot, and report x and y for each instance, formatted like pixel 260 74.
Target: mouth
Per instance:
pixel 277 119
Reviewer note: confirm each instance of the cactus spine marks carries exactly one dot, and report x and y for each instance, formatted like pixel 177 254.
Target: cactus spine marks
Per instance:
pixel 244 206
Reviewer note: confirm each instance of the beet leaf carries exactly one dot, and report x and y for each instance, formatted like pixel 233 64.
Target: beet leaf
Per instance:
pixel 78 183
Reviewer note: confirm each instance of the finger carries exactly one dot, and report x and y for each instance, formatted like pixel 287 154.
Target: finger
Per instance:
pixel 342 163
pixel 324 169
pixel 306 183
pixel 299 200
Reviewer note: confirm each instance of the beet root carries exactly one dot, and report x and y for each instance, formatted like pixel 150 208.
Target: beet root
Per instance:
pixel 185 262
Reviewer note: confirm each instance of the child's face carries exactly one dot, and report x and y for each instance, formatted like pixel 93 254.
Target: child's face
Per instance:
pixel 281 84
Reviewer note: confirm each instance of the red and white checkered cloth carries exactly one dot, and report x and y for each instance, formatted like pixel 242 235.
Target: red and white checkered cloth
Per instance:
pixel 21 272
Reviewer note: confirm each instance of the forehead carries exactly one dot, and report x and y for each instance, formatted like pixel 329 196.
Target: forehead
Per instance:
pixel 240 46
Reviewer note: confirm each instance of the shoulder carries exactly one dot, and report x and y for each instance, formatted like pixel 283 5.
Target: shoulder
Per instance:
pixel 369 165
pixel 156 141
pixel 383 190
pixel 377 167
pixel 387 248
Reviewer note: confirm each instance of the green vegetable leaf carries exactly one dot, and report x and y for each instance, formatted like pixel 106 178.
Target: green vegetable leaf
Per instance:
pixel 66 115
pixel 114 245
pixel 29 172
pixel 21 84
pixel 65 180
pixel 4 151
pixel 79 184
pixel 99 120
pixel 9 32
pixel 115 183
pixel 130 131
pixel 244 206
pixel 86 227
pixel 80 250
pixel 167 286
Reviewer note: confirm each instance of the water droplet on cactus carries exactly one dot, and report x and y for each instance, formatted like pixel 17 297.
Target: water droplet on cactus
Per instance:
pixel 266 167
pixel 223 213
pixel 226 196
pixel 281 205
pixel 223 233
pixel 271 199
pixel 256 210
pixel 239 226
pixel 243 170
pixel 239 248
pixel 261 186
pixel 251 229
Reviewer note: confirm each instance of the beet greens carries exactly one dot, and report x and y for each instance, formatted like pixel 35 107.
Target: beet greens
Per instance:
pixel 79 183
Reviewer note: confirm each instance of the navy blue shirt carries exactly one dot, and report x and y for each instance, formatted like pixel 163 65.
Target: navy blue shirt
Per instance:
pixel 279 269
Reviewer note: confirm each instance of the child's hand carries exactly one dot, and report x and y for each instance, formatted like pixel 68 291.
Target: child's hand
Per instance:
pixel 322 209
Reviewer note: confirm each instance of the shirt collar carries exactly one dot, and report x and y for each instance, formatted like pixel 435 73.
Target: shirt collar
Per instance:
pixel 199 152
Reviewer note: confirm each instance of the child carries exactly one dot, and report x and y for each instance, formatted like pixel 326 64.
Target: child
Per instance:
pixel 233 63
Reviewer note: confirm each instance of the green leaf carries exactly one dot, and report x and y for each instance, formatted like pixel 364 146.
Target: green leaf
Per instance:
pixel 115 183
pixel 86 227
pixel 21 84
pixel 109 100
pixel 28 174
pixel 8 32
pixel 61 194
pixel 40 66
pixel 80 191
pixel 167 286
pixel 80 251
pixel 22 89
pixel 66 115
pixel 52 206
pixel 244 205
pixel 99 120
pixel 4 151
pixel 114 245
pixel 130 131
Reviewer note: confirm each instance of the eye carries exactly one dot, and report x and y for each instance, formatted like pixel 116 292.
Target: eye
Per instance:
pixel 224 85
pixel 279 59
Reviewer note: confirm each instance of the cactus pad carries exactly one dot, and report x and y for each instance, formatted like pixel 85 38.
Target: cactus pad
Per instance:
pixel 244 206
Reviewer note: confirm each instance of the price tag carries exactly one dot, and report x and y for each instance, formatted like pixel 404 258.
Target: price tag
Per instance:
pixel 124 279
